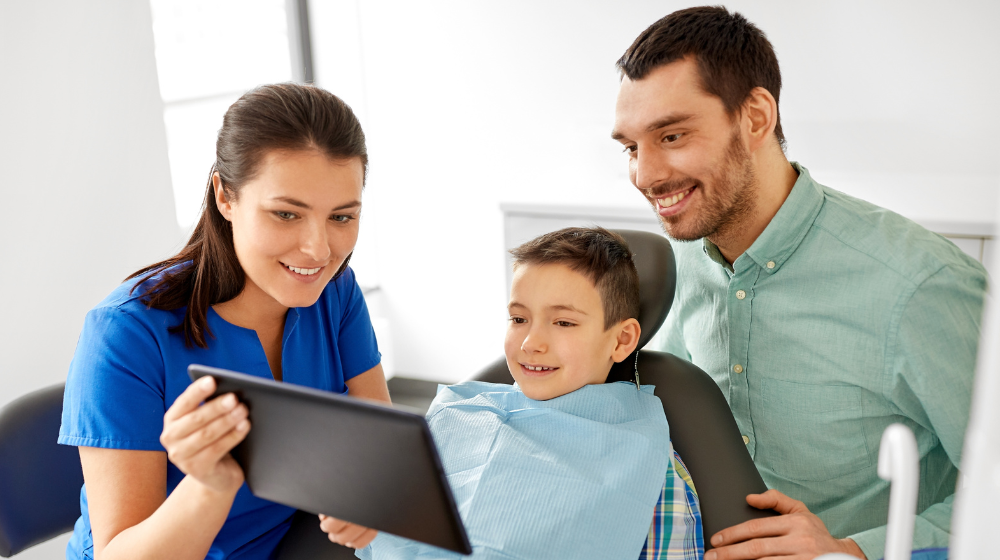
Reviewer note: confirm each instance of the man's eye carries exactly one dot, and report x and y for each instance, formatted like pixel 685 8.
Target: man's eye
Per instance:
pixel 285 215
pixel 629 149
pixel 671 138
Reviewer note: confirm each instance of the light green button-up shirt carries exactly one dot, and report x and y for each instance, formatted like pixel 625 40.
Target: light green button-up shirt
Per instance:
pixel 840 319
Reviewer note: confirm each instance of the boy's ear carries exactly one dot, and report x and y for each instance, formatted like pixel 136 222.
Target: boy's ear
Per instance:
pixel 628 339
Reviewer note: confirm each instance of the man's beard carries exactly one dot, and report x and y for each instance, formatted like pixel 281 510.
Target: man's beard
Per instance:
pixel 724 211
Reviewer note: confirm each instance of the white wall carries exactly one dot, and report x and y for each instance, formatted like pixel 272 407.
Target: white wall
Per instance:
pixel 471 104
pixel 85 184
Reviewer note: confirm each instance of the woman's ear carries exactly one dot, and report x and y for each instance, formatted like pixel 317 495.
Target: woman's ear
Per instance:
pixel 221 200
pixel 628 339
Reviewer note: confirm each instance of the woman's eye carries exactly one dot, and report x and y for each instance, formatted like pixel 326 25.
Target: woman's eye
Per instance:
pixel 284 215
pixel 518 320
pixel 341 218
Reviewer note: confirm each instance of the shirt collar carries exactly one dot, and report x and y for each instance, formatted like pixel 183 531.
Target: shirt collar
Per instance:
pixel 790 225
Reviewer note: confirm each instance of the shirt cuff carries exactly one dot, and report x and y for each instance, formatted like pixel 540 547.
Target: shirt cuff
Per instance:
pixel 871 542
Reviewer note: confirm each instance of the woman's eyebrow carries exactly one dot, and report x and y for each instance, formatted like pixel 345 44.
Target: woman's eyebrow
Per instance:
pixel 300 204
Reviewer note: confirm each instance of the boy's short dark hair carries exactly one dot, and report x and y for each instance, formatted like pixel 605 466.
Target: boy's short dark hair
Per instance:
pixel 733 55
pixel 600 255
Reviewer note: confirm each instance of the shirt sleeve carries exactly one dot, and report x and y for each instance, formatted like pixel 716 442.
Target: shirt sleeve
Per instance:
pixel 114 395
pixel 356 340
pixel 932 361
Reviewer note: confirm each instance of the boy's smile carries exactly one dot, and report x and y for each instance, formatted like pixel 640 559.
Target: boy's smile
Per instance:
pixel 556 341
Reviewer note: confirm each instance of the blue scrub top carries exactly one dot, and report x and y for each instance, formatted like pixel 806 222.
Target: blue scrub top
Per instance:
pixel 128 369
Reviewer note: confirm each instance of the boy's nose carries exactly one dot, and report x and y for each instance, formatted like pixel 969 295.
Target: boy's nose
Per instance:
pixel 533 343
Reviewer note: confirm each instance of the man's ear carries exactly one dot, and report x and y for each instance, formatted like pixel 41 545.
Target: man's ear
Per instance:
pixel 221 200
pixel 627 339
pixel 760 117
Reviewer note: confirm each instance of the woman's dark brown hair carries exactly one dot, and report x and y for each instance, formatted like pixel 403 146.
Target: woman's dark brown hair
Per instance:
pixel 271 117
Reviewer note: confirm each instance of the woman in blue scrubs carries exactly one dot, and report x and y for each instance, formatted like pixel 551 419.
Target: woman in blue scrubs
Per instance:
pixel 261 287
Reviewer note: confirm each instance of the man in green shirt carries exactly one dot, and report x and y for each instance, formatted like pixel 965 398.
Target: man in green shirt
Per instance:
pixel 822 318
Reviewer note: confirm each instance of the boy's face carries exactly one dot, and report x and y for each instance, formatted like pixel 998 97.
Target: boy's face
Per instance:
pixel 556 341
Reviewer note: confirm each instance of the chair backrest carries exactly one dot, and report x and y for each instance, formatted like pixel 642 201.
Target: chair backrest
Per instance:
pixel 702 427
pixel 40 480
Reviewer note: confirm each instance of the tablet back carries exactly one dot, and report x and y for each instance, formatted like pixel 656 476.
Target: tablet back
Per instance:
pixel 351 459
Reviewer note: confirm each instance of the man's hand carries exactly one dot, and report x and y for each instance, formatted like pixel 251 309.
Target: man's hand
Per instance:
pixel 797 534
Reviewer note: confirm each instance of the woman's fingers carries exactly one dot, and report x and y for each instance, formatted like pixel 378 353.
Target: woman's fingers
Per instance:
pixel 217 437
pixel 364 540
pixel 183 426
pixel 204 461
pixel 332 525
pixel 190 398
pixel 347 534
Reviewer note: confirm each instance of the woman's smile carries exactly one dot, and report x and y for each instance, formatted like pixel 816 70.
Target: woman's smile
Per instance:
pixel 304 274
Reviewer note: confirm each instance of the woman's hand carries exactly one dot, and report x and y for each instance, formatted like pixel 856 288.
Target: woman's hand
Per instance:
pixel 198 437
pixel 347 534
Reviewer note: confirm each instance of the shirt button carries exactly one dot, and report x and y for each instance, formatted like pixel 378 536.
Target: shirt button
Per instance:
pixel 770 264
pixel 740 294
pixel 746 440
pixel 738 368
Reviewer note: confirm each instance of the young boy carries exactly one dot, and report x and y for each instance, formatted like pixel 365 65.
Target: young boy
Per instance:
pixel 561 465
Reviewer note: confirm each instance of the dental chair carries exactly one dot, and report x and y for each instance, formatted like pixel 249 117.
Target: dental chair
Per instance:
pixel 702 427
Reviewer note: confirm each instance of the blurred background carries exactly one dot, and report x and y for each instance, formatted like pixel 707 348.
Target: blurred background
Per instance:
pixel 487 121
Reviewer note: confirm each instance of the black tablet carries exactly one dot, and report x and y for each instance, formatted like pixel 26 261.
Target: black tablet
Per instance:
pixel 352 459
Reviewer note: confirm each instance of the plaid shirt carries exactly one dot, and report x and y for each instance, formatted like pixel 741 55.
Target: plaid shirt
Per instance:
pixel 676 532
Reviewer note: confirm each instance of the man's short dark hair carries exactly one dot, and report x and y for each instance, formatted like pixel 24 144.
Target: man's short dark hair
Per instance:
pixel 732 54
pixel 600 255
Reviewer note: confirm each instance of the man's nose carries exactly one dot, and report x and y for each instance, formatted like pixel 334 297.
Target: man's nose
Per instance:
pixel 649 169
pixel 315 242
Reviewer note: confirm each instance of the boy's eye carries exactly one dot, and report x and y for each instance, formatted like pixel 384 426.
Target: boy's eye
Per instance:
pixel 565 324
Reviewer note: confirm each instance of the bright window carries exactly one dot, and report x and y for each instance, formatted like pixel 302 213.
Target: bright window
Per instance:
pixel 208 53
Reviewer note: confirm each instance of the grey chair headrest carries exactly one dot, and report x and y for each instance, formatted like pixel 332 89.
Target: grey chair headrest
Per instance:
pixel 654 260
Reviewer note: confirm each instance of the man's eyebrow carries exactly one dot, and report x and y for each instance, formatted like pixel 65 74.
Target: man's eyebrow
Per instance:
pixel 300 204
pixel 666 121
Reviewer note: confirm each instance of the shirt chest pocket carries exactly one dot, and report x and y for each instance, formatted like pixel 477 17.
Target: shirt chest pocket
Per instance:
pixel 810 432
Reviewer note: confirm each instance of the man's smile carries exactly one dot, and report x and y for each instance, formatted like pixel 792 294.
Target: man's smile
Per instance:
pixel 672 204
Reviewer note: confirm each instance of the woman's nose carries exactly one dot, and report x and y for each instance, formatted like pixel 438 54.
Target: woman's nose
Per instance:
pixel 315 243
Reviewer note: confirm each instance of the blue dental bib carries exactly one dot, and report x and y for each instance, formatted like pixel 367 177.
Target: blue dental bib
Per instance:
pixel 577 476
